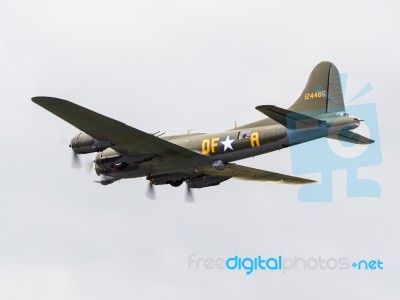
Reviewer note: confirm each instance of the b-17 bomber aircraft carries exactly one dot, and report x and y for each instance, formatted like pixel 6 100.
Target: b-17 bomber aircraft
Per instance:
pixel 203 160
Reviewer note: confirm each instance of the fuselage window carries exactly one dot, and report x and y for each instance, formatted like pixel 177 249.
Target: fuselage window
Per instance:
pixel 244 134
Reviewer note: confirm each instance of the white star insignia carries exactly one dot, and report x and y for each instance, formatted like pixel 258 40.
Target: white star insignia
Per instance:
pixel 227 143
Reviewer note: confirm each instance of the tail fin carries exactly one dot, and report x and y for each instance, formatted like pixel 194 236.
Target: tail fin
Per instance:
pixel 323 92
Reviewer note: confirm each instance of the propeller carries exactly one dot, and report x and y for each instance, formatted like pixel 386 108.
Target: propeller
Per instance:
pixel 150 193
pixel 189 195
pixel 90 166
pixel 76 161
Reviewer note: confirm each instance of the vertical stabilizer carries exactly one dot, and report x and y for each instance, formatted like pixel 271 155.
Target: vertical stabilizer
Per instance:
pixel 323 92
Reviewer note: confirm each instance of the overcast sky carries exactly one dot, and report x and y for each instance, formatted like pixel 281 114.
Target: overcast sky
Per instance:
pixel 174 66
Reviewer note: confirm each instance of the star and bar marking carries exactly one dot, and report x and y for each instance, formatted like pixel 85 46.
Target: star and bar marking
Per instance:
pixel 210 146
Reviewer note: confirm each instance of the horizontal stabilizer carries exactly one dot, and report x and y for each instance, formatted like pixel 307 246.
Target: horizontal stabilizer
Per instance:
pixel 351 137
pixel 287 118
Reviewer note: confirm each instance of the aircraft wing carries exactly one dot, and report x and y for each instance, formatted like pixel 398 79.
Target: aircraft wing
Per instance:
pixel 247 173
pixel 125 139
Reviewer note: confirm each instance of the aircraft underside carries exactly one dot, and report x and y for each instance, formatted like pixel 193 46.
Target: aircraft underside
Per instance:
pixel 203 160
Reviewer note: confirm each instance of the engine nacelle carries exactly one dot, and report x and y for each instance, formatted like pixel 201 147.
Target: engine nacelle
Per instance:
pixel 106 160
pixel 83 143
pixel 109 159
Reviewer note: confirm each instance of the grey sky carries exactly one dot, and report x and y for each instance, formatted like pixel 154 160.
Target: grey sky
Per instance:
pixel 174 66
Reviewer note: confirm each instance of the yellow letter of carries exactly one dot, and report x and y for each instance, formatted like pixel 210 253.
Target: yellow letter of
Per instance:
pixel 205 147
pixel 254 139
pixel 214 143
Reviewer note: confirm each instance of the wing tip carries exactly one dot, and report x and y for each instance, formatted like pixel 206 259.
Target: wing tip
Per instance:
pixel 300 181
pixel 46 100
pixel 310 181
pixel 41 99
pixel 36 99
